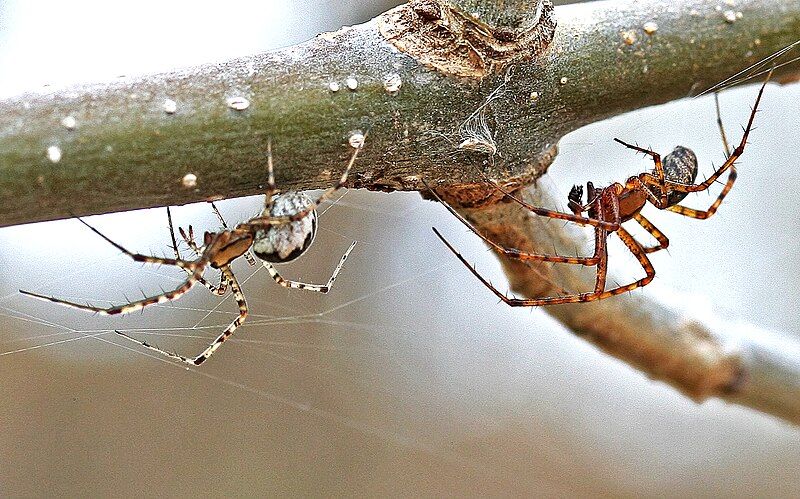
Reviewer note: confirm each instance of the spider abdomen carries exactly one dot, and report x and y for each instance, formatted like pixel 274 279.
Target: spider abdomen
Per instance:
pixel 286 242
pixel 679 166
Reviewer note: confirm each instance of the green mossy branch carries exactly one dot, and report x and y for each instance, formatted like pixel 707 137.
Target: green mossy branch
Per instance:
pixel 126 152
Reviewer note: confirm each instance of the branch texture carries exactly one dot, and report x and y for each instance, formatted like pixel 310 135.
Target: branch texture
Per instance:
pixel 129 143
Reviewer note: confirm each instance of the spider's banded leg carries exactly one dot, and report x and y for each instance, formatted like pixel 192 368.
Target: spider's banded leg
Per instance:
pixel 594 222
pixel 205 354
pixel 134 305
pixel 726 147
pixel 215 290
pixel 268 221
pixel 513 252
pixel 137 257
pixel 663 241
pixel 302 285
pixel 626 238
pixel 674 186
pixel 660 177
pixel 703 214
pixel 272 188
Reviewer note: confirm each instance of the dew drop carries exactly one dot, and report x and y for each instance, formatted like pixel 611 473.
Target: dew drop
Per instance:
pixel 189 181
pixel 54 154
pixel 334 86
pixel 730 16
pixel 238 103
pixel 650 27
pixel 69 122
pixel 351 83
pixel 170 106
pixel 392 83
pixel 356 139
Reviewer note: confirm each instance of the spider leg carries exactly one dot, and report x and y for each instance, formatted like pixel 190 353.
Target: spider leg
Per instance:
pixel 726 147
pixel 661 179
pixel 675 186
pixel 663 241
pixel 570 217
pixel 215 290
pixel 268 221
pixel 302 285
pixel 205 354
pixel 178 262
pixel 703 214
pixel 513 252
pixel 132 306
pixel 598 294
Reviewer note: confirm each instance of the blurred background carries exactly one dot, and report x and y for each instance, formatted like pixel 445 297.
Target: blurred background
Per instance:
pixel 409 377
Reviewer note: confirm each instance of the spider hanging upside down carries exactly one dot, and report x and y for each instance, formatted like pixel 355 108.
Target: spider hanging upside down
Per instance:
pixel 282 232
pixel 609 207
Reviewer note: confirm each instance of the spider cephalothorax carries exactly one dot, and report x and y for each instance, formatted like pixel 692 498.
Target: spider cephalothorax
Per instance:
pixel 607 208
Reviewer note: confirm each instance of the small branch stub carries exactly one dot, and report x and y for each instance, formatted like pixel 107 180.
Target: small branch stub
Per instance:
pixel 472 38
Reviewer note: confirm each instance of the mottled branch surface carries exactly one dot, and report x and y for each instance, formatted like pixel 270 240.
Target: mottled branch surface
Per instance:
pixel 126 152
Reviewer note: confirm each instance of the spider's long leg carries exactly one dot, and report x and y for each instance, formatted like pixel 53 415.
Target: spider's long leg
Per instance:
pixel 302 285
pixel 660 178
pixel 205 354
pixel 544 212
pixel 513 252
pixel 626 238
pixel 722 133
pixel 132 306
pixel 267 221
pixel 271 187
pixel 663 241
pixel 184 264
pixel 703 214
pixel 731 159
pixel 215 290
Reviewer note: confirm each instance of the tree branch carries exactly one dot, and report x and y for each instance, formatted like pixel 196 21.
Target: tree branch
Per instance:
pixel 702 357
pixel 128 152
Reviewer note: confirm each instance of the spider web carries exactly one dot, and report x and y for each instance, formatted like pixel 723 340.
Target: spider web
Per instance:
pixel 408 377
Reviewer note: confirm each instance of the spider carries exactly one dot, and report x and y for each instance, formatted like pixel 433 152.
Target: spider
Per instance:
pixel 609 207
pixel 282 232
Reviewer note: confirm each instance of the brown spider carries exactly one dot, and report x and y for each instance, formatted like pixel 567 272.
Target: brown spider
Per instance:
pixel 282 232
pixel 609 207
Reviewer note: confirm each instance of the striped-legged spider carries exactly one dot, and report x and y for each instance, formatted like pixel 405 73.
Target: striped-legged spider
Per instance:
pixel 607 208
pixel 282 232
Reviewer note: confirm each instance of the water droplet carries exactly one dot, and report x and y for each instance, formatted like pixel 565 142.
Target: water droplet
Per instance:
pixel 351 83
pixel 392 83
pixel 629 37
pixel 54 154
pixel 563 80
pixel 238 103
pixel 730 16
pixel 650 27
pixel 69 123
pixel 170 106
pixel 356 139
pixel 334 86
pixel 189 181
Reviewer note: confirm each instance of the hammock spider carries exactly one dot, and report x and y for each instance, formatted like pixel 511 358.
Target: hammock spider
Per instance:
pixel 282 232
pixel 609 207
